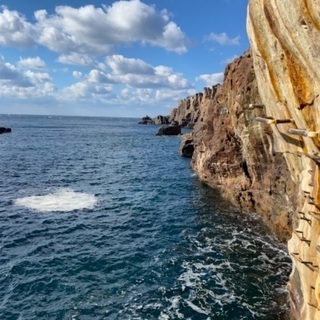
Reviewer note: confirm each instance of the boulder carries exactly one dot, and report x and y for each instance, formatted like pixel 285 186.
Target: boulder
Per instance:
pixel 4 130
pixel 169 131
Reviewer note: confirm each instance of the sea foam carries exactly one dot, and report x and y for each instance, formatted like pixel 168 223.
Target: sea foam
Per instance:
pixel 63 199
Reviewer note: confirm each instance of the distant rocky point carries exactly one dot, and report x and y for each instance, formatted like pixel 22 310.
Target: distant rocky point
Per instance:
pixel 157 120
pixel 4 130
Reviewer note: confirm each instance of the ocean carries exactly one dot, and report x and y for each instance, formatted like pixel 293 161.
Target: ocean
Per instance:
pixel 102 219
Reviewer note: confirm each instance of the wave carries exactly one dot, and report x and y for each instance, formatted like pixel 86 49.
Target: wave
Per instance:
pixel 63 199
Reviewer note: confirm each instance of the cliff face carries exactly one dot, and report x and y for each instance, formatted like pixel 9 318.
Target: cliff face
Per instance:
pixel 234 154
pixel 257 137
pixel 188 111
pixel 285 38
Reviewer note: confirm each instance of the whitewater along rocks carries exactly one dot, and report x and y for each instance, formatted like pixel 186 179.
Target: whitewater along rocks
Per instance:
pixel 4 130
pixel 285 38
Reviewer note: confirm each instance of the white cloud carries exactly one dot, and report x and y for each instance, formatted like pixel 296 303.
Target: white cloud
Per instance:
pixel 77 74
pixel 77 59
pixel 11 76
pixel 37 77
pixel 211 79
pixel 138 74
pixel 90 30
pixel 86 91
pixel 15 31
pixel 32 63
pixel 121 65
pixel 18 84
pixel 173 39
pixel 98 76
pixel 223 39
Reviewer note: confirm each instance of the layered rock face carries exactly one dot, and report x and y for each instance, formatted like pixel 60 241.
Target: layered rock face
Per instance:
pixel 285 40
pixel 188 111
pixel 234 154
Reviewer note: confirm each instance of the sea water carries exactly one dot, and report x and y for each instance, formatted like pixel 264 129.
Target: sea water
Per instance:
pixel 102 219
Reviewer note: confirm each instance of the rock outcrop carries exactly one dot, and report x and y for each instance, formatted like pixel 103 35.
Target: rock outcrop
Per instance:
pixel 169 131
pixel 4 130
pixel 188 110
pixel 161 119
pixel 234 154
pixel 146 120
pixel 285 37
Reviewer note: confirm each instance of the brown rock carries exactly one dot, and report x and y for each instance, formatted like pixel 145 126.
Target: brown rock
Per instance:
pixel 234 154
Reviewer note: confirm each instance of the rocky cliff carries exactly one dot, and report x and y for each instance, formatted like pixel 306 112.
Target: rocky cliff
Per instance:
pixel 234 153
pixel 285 37
pixel 257 136
pixel 188 110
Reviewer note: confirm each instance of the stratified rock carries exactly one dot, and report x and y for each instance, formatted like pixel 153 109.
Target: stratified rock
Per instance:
pixel 187 113
pixel 186 146
pixel 146 120
pixel 4 130
pixel 169 131
pixel 161 120
pixel 285 40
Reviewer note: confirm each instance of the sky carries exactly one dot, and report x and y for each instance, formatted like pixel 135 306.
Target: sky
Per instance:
pixel 126 58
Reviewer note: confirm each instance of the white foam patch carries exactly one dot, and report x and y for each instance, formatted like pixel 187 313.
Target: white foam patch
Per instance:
pixel 59 200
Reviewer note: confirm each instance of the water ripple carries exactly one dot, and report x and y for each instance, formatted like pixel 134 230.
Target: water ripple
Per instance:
pixel 101 219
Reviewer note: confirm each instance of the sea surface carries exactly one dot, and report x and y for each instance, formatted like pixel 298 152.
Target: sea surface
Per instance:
pixel 102 219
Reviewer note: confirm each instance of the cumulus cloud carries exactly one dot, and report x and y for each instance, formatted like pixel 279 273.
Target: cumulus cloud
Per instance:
pixel 32 63
pixel 121 65
pixel 92 30
pixel 137 73
pixel 20 84
pixel 223 39
pixel 15 31
pixel 134 78
pixel 211 79
pixel 77 59
pixel 11 76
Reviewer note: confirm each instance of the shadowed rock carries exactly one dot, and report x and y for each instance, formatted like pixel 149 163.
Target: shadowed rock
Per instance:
pixel 4 130
pixel 169 131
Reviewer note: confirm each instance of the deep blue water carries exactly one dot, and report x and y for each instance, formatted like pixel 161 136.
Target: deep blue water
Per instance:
pixel 102 219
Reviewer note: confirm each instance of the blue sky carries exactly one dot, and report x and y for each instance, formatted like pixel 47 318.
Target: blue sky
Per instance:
pixel 114 58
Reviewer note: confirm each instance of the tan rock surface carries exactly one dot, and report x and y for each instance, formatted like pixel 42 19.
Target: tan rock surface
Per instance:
pixel 285 40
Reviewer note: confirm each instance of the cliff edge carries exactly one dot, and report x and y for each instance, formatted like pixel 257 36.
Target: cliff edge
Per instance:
pixel 285 37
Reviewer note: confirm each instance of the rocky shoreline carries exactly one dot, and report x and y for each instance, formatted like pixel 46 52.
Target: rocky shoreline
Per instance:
pixel 256 137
